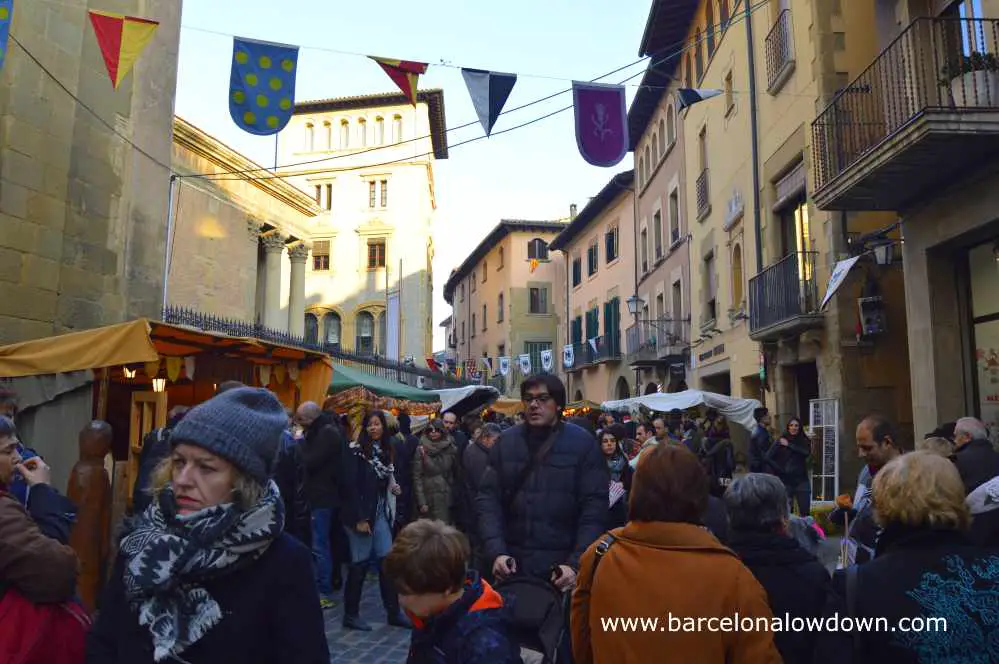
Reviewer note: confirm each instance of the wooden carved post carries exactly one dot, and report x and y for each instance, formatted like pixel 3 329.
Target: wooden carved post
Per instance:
pixel 90 489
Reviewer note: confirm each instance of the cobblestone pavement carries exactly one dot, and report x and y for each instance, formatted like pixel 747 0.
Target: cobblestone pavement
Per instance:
pixel 382 645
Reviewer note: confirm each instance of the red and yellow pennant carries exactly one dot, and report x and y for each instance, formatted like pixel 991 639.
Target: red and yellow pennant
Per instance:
pixel 122 40
pixel 404 73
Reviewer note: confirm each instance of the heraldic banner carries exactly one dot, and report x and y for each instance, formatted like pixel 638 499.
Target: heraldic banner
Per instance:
pixel 601 122
pixel 262 85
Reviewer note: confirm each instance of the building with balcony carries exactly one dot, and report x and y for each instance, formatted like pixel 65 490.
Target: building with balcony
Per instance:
pixel 913 133
pixel 506 300
pixel 368 163
pixel 599 253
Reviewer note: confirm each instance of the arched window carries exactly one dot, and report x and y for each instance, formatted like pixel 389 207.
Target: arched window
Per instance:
pixel 670 124
pixel 662 138
pixel 736 277
pixel 397 129
pixel 641 171
pixel 382 338
pixel 362 132
pixel 648 164
pixel 328 135
pixel 344 134
pixel 655 151
pixel 365 337
pixel 537 248
pixel 380 130
pixel 311 329
pixel 310 137
pixel 331 328
pixel 500 309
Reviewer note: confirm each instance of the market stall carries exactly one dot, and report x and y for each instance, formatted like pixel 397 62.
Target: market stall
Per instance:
pixel 353 392
pixel 739 411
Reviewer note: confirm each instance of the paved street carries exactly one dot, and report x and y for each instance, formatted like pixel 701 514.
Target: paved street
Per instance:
pixel 382 645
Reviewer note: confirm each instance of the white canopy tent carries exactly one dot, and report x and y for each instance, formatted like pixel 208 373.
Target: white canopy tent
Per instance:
pixel 465 399
pixel 739 411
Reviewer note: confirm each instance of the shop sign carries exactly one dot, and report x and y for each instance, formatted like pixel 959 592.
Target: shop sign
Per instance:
pixel 734 210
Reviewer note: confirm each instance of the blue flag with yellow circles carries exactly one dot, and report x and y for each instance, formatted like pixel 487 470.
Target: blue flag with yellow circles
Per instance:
pixel 262 86
pixel 6 13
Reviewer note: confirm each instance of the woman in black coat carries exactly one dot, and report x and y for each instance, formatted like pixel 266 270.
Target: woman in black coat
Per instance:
pixel 620 473
pixel 788 457
pixel 206 574
pixel 925 571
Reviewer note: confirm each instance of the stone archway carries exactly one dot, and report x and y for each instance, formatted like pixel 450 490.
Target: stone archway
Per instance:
pixel 651 388
pixel 579 396
pixel 621 389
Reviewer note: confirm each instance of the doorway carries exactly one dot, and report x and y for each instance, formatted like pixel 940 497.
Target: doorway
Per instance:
pixel 622 391
pixel 806 377
pixel 718 383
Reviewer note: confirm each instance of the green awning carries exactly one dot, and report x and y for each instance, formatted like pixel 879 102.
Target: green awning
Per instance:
pixel 345 378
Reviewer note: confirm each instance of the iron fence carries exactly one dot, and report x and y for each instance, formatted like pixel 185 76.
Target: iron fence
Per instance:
pixel 783 291
pixel 659 338
pixel 936 64
pixel 779 48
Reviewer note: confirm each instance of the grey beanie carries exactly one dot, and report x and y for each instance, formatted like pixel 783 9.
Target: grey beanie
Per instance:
pixel 243 426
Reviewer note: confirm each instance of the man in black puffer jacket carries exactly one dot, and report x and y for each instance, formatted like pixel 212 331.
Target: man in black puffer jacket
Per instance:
pixel 532 520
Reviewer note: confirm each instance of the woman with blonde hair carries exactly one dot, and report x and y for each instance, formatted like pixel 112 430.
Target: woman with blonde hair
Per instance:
pixel 934 589
pixel 206 574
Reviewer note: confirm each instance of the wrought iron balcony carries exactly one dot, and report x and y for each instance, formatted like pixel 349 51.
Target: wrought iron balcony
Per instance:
pixel 608 349
pixel 922 115
pixel 703 195
pixel 779 48
pixel 784 298
pixel 653 342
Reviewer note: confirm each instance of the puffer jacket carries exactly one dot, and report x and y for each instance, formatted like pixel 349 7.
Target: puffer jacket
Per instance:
pixel 435 470
pixel 289 474
pixel 559 512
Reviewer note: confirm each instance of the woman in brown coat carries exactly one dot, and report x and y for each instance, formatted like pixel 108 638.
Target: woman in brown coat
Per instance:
pixel 667 571
pixel 435 472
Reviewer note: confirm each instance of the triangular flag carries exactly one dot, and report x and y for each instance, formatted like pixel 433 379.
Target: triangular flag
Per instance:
pixel 689 96
pixel 265 375
pixel 6 14
pixel 280 373
pixel 489 91
pixel 122 40
pixel 189 365
pixel 404 73
pixel 173 367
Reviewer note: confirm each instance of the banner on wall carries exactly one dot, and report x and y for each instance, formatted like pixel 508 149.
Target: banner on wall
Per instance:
pixel 121 40
pixel 601 122
pixel 262 85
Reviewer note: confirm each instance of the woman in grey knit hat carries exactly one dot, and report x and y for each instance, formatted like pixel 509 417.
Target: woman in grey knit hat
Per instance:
pixel 206 573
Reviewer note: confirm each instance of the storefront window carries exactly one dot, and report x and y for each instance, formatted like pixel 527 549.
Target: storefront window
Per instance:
pixel 984 268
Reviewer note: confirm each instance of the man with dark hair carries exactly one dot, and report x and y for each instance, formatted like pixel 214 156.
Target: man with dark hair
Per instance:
pixel 877 444
pixel 759 442
pixel 452 426
pixel 543 497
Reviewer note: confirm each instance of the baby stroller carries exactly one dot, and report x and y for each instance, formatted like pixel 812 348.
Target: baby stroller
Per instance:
pixel 540 616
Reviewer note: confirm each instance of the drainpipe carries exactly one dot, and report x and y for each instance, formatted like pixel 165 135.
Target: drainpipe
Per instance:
pixel 755 137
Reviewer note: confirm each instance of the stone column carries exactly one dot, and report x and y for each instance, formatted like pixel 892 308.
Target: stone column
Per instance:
pixel 298 255
pixel 273 247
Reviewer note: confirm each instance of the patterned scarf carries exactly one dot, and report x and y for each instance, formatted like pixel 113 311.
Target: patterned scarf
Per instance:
pixel 169 557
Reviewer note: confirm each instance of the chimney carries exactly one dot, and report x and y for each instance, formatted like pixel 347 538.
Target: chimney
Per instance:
pixel 572 211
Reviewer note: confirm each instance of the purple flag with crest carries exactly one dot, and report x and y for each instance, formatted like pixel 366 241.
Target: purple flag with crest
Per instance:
pixel 601 122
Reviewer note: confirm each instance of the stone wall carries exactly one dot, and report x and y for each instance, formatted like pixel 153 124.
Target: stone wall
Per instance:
pixel 82 213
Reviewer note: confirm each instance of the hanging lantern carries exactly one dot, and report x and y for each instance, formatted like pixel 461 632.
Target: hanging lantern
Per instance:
pixel 129 373
pixel 159 384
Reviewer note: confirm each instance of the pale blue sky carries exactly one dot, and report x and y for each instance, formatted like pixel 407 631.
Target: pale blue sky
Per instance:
pixel 531 173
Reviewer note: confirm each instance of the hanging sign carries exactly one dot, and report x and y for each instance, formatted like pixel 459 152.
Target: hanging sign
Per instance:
pixel 601 122
pixel 262 85
pixel 121 39
pixel 489 91
pixel 404 73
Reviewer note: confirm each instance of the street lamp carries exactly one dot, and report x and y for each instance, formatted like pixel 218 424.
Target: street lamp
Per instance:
pixel 634 305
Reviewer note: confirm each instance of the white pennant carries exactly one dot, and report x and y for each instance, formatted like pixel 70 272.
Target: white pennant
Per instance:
pixel 189 363
pixel 568 356
pixel 504 366
pixel 546 360
pixel 593 344
pixel 525 364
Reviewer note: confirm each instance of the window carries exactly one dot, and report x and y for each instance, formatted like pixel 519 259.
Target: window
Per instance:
pixel 698 56
pixel 577 270
pixel 729 96
pixel 311 329
pixel 485 270
pixel 648 164
pixel 670 124
pixel 592 257
pixel 380 130
pixel 376 254
pixel 319 194
pixel 593 322
pixel 687 74
pixel 737 277
pixel 372 193
pixel 709 18
pixel 534 350
pixel 674 217
pixel 473 281
pixel 657 233
pixel 660 306
pixel 310 137
pixel 500 266
pixel 538 300
pixel 662 138
pixel 499 309
pixel 641 171
pixel 362 132
pixel 702 148
pixel 381 331
pixel 461 292
pixel 501 350
pixel 484 317
pixel 331 328
pixel 577 330
pixel 397 129
pixel 472 333
pixel 365 338
pixel 462 331
pixel 321 255
pixel 723 13
pixel 676 309
pixel 384 184
pixel 610 242
pixel 645 251
pixel 710 289
pixel 328 135
pixel 344 134
pixel 655 151
pixel 537 248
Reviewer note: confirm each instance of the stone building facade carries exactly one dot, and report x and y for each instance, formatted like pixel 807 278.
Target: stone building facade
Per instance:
pixel 82 212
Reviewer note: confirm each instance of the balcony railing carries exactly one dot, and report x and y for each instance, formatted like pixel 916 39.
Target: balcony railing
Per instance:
pixel 652 340
pixel 608 348
pixel 935 66
pixel 369 362
pixel 785 291
pixel 703 195
pixel 779 47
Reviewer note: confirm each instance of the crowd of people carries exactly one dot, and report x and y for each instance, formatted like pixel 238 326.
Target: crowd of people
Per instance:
pixel 510 541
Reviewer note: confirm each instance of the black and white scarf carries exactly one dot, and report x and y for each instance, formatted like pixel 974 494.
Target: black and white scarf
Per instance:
pixel 168 558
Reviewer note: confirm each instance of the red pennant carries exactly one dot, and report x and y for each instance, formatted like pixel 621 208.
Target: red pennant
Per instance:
pixel 404 73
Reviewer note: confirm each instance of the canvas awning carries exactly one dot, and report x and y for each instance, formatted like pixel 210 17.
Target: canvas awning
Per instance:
pixel 346 378
pixel 461 400
pixel 739 411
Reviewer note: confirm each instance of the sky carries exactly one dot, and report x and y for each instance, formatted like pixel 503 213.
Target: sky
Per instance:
pixel 532 173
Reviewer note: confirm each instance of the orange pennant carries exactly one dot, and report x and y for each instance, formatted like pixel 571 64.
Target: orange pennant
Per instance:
pixel 404 73
pixel 534 264
pixel 122 40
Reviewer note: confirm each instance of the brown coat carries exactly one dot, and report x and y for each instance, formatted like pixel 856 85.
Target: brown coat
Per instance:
pixel 657 570
pixel 42 569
